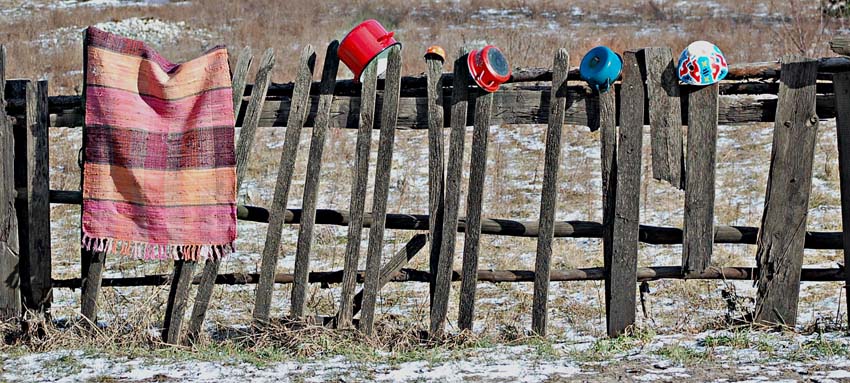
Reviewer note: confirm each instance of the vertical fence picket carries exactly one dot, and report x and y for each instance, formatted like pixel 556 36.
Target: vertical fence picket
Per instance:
pixel 10 294
pixel 210 272
pixel 358 194
pixel 454 172
pixel 32 205
pixel 783 226
pixel 474 196
pixel 665 115
pixel 299 108
pixel 251 118
pixel 549 193
pixel 608 150
pixel 383 168
pixel 436 164
pixel 698 230
pixel 178 297
pixel 622 273
pixel 842 122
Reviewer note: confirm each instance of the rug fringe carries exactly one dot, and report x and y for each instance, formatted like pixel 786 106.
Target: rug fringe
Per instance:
pixel 151 251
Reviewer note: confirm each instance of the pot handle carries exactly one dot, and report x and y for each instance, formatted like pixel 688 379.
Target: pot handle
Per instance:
pixel 385 37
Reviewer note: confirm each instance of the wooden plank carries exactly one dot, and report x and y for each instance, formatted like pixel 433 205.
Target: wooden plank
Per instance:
pixel 665 115
pixel 383 170
pixel 698 230
pixel 608 150
pixel 474 196
pixel 178 296
pixel 620 305
pixel 393 266
pixel 271 249
pixel 786 203
pixel 239 78
pixel 212 265
pixel 252 115
pixel 32 205
pixel 358 196
pixel 842 122
pixel 454 170
pixel 10 293
pixel 549 193
pixel 436 163
pixel 840 45
pixel 516 106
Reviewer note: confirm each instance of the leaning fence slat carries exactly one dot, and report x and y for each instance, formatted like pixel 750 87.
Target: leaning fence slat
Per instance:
pixel 10 294
pixel 394 265
pixel 383 169
pixel 665 115
pixel 252 114
pixel 549 193
pixel 454 169
pixel 474 196
pixel 358 195
pixel 271 249
pixel 698 230
pixel 178 297
pixel 786 203
pixel 436 163
pixel 211 267
pixel 842 121
pixel 620 302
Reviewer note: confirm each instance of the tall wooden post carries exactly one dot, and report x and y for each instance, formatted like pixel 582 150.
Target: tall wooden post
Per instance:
pixel 10 294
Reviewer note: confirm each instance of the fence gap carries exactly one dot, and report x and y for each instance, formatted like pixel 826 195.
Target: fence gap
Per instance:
pixel 454 170
pixel 622 270
pixel 842 122
pixel 783 227
pixel 211 266
pixel 549 193
pixel 474 196
pixel 665 115
pixel 698 227
pixel 10 294
pixel 277 212
pixel 436 164
pixel 358 194
pixel 383 170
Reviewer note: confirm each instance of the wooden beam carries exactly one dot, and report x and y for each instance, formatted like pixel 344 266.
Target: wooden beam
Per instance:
pixel 549 192
pixel 383 171
pixel 436 164
pixel 620 307
pixel 271 249
pixel 358 195
pixel 10 293
pixel 842 122
pixel 393 266
pixel 786 203
pixel 698 234
pixel 841 45
pixel 665 115
pixel 212 265
pixel 454 170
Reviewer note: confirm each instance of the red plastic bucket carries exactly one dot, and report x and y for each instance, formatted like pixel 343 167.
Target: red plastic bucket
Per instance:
pixel 366 42
pixel 488 67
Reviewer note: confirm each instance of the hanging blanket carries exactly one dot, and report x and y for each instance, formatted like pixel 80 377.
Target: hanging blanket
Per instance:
pixel 159 178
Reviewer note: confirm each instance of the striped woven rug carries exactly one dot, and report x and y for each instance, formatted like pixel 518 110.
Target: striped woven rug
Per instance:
pixel 159 173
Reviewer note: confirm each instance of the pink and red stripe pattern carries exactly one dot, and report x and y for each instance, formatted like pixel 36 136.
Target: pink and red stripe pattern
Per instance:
pixel 159 175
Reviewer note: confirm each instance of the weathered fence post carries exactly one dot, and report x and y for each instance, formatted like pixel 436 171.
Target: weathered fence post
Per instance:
pixel 698 230
pixel 436 164
pixel 608 149
pixel 841 82
pixel 178 297
pixel 210 272
pixel 474 195
pixel 277 214
pixel 454 170
pixel 665 115
pixel 32 185
pixel 10 294
pixel 783 227
pixel 383 170
pixel 622 270
pixel 549 193
pixel 358 194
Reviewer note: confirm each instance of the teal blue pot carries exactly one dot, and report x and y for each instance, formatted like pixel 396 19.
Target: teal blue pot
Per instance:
pixel 600 67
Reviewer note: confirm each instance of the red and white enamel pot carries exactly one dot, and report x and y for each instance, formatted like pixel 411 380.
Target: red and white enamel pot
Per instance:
pixel 488 67
pixel 366 42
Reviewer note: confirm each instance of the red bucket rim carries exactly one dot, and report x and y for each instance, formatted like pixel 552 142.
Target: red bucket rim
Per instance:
pixel 499 80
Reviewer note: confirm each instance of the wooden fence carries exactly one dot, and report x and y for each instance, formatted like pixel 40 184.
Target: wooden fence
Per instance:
pixel 808 91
